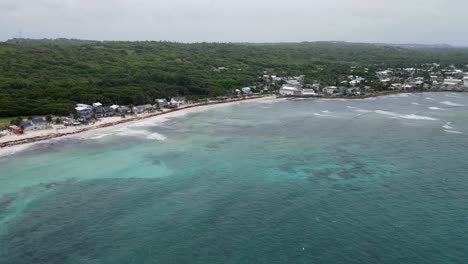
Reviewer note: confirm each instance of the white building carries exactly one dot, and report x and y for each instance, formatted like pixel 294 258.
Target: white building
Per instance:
pixel 453 82
pixel 465 81
pixel 308 92
pixel 288 90
pixel 330 90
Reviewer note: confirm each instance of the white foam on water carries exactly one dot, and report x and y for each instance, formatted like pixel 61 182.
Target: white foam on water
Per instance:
pixel 418 117
pixel 317 114
pixel 156 136
pixel 410 116
pixel 429 98
pixel 100 136
pixel 9 151
pixel 451 103
pixel 326 111
pixel 453 131
pixel 435 108
pixel 447 126
pixel 359 110
pixel 382 112
pixel 453 95
pixel 414 103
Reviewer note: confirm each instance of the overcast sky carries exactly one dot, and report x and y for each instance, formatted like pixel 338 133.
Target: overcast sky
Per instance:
pixel 395 21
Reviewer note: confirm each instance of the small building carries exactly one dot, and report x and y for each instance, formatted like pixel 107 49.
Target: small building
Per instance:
pixel 161 102
pixel 143 108
pixel 104 112
pixel 288 90
pixel 97 104
pixel 83 110
pixel 179 100
pixel 35 124
pixel 330 90
pixel 114 107
pixel 308 92
pixel 246 90
pixel 16 130
pixel 123 109
pixel 453 82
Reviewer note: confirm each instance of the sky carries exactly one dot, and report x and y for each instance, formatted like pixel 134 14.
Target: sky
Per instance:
pixel 376 21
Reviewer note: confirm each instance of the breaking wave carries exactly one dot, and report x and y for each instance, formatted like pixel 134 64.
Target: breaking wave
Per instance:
pixel 447 126
pixel 435 108
pixel 453 131
pixel 410 116
pixel 451 103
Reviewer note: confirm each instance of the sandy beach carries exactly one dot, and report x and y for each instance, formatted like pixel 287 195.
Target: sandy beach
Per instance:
pixel 11 143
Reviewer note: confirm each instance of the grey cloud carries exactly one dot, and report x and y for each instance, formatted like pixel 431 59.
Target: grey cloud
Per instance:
pixel 428 21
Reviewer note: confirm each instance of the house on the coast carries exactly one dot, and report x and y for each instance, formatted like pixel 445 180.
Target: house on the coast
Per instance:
pixel 104 111
pixel 246 90
pixel 289 90
pixel 330 90
pixel 143 108
pixel 35 124
pixel 16 130
pixel 161 102
pixel 83 110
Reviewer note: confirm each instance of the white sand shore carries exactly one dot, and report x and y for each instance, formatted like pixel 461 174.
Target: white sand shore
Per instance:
pixel 89 131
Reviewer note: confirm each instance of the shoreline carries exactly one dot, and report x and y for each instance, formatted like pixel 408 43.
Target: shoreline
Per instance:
pixel 72 131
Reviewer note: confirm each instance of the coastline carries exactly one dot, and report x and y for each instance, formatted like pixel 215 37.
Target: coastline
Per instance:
pixel 14 143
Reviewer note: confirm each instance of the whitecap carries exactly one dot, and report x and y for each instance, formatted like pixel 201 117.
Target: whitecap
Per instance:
pixel 418 117
pixel 453 131
pixel 156 136
pixel 100 136
pixel 326 112
pixel 451 103
pixel 386 113
pixel 429 98
pixel 414 103
pixel 410 116
pixel 447 126
pixel 435 108
pixel 452 95
pixel 317 114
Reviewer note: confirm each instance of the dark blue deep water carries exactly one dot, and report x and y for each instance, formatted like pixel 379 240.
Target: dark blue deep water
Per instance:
pixel 381 180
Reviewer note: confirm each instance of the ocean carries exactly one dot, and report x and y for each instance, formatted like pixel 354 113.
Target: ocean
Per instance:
pixel 377 180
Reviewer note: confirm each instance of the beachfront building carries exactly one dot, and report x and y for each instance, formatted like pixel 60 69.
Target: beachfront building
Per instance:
pixel 289 90
pixel 465 81
pixel 246 90
pixel 35 124
pixel 97 104
pixel 161 102
pixel 83 110
pixel 16 130
pixel 453 82
pixel 143 108
pixel 330 90
pixel 308 92
pixel 104 111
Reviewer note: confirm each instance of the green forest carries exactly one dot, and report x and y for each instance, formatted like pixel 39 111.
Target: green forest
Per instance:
pixel 49 76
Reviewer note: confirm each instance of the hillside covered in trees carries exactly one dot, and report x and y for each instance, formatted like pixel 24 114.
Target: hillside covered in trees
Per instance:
pixel 50 76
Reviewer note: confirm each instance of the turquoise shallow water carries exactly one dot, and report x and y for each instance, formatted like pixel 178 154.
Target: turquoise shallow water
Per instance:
pixel 381 180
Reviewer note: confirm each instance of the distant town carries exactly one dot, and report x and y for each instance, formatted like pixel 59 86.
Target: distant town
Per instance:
pixel 427 77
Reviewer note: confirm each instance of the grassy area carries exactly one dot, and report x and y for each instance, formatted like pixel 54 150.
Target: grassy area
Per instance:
pixel 5 121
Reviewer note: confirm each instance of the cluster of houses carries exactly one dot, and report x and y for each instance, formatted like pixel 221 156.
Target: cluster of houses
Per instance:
pixel 85 113
pixel 424 77
pixel 29 125
pixel 294 87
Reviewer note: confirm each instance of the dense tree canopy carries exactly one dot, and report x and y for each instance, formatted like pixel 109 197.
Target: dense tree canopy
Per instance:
pixel 50 76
